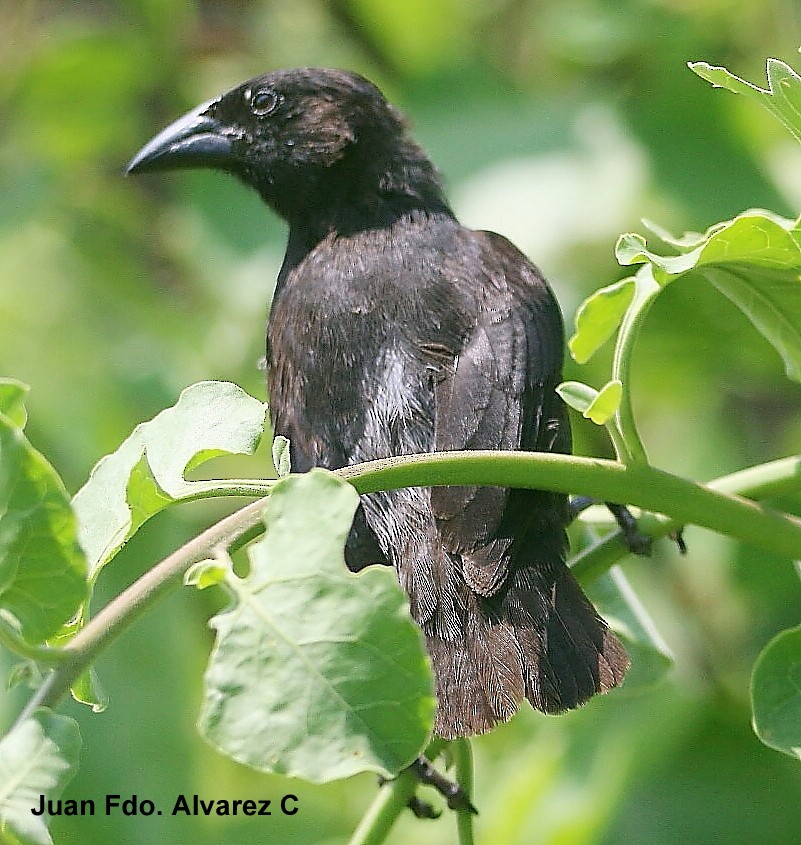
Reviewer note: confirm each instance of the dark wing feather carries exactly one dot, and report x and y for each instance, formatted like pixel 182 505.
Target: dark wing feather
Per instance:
pixel 499 394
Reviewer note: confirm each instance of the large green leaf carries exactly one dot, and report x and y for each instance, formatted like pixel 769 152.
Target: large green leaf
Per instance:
pixel 146 473
pixel 754 259
pixel 782 97
pixel 776 693
pixel 316 672
pixel 12 400
pixel 42 568
pixel 618 603
pixel 37 759
pixel 599 317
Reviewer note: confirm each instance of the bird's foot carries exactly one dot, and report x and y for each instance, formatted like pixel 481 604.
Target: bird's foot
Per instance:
pixel 637 542
pixel 455 796
pixel 678 539
pixel 422 809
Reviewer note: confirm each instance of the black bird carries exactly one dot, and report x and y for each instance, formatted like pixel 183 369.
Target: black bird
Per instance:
pixel 396 330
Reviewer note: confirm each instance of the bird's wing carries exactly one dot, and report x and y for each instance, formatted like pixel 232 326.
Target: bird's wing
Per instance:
pixel 499 394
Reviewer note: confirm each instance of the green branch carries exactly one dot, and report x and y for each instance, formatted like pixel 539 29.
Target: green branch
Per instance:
pixel 645 292
pixel 14 642
pixel 392 799
pixel 682 501
pixel 123 610
pixel 759 482
pixel 685 502
pixel 463 759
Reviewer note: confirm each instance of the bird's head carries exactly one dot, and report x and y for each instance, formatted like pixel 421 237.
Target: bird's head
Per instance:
pixel 298 137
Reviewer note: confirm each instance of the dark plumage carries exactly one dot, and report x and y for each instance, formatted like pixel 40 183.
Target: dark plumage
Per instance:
pixel 396 330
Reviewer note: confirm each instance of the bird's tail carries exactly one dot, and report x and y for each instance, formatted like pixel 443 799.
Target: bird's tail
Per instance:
pixel 539 638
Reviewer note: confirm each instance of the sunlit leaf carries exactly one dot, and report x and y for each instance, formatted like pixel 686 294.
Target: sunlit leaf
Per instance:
pixel 599 317
pixel 316 673
pixel 88 690
pixel 606 403
pixel 206 573
pixel 755 260
pixel 596 405
pixel 42 568
pixel 782 97
pixel 147 472
pixel 776 693
pixel 12 401
pixel 37 759
pixel 577 395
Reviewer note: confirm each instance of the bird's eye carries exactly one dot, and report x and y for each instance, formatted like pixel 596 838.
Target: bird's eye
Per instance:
pixel 263 102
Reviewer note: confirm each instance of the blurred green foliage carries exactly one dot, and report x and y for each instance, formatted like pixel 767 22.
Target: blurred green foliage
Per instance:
pixel 560 125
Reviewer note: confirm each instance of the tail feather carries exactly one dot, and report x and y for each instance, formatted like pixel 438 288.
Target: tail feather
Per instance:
pixel 498 634
pixel 540 639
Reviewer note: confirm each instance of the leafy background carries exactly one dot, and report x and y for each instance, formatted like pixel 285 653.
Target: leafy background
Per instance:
pixel 560 125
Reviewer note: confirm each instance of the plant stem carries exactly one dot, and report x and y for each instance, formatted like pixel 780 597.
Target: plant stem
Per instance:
pixel 228 487
pixel 392 798
pixel 762 481
pixel 116 616
pixel 685 502
pixel 682 501
pixel 759 482
pixel 42 654
pixel 463 757
pixel 619 442
pixel 646 289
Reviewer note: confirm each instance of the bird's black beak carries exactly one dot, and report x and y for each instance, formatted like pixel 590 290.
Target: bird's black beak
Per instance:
pixel 195 140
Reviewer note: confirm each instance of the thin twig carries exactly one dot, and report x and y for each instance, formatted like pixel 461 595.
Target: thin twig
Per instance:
pixel 463 757
pixel 122 611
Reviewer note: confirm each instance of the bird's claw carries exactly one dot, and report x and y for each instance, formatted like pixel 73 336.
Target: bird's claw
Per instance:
pixel 455 796
pixel 678 539
pixel 636 542
pixel 422 809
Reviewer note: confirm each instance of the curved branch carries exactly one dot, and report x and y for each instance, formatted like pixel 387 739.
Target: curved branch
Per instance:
pixel 122 611
pixel 645 292
pixel 652 489
pixel 759 482
pixel 682 501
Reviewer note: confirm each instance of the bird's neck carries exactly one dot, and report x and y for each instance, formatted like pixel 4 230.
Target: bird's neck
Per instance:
pixel 355 195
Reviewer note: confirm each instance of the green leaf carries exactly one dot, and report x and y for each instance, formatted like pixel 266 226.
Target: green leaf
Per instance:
pixel 207 573
pixel 754 260
pixel 37 758
pixel 606 403
pixel 281 456
pixel 89 691
pixel 42 568
pixel 776 693
pixel 316 672
pixel 12 401
pixel 631 249
pixel 147 472
pixel 598 406
pixel 618 603
pixel 598 318
pixel 782 97
pixel 577 395
pixel 688 239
